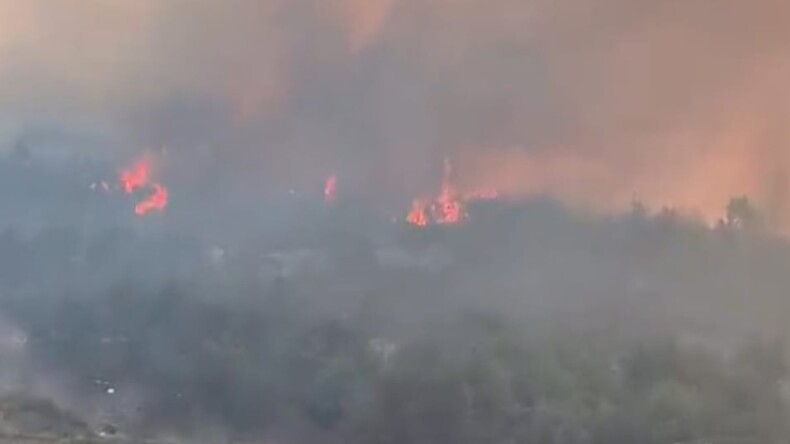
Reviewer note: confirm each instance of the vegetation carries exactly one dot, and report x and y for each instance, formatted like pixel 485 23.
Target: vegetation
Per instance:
pixel 363 353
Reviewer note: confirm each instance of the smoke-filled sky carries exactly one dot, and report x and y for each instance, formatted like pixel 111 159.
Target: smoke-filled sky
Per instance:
pixel 599 102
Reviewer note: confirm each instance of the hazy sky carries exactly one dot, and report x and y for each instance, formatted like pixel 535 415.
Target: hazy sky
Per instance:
pixel 679 102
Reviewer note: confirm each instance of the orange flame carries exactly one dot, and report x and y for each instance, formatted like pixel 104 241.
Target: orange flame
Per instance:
pixel 330 189
pixel 156 202
pixel 418 216
pixel 448 208
pixel 139 177
pixel 136 177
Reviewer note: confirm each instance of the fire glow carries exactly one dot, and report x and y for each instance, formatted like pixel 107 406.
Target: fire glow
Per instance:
pixel 448 207
pixel 330 189
pixel 418 215
pixel 156 202
pixel 137 178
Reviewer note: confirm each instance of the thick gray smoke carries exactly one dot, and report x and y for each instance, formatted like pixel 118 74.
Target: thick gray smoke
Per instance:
pixel 254 305
pixel 598 102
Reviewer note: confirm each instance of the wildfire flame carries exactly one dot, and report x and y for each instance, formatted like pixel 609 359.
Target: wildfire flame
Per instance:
pixel 137 176
pixel 156 202
pixel 418 215
pixel 330 189
pixel 448 208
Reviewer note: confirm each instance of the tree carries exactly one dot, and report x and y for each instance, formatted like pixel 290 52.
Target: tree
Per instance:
pixel 741 214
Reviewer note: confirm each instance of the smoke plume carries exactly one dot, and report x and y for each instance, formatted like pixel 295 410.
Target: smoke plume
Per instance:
pixel 678 103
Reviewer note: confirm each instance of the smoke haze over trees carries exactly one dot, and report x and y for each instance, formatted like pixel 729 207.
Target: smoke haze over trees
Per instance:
pixel 616 270
pixel 528 323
